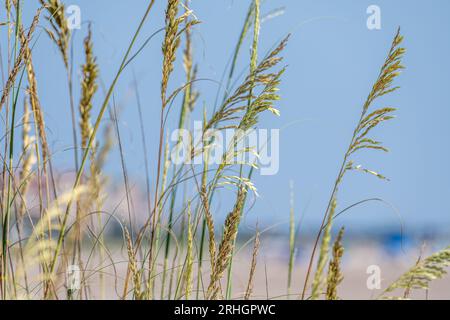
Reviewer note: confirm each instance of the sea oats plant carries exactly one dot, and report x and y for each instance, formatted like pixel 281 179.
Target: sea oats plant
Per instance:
pixel 361 140
pixel 183 249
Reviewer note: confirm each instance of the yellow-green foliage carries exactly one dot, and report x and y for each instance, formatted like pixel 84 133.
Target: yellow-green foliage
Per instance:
pixel 425 271
pixel 360 141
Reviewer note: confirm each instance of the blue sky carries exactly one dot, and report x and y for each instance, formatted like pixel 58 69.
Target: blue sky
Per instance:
pixel 333 60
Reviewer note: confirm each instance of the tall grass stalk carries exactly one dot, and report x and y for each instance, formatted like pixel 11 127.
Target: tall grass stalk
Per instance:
pixel 7 214
pixel 360 139
pixel 253 66
pixel 251 277
pixel 292 237
pixel 170 45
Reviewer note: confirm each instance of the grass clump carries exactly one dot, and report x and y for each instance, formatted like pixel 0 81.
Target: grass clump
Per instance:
pixel 183 250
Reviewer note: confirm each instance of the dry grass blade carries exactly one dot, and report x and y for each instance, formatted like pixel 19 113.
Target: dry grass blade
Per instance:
pixel 20 58
pixel 226 246
pixel 133 265
pixel 29 157
pixel 251 279
pixel 189 256
pixel 211 229
pixel 34 101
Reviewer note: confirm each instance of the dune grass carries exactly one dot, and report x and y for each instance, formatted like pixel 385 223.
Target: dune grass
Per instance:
pixel 183 250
